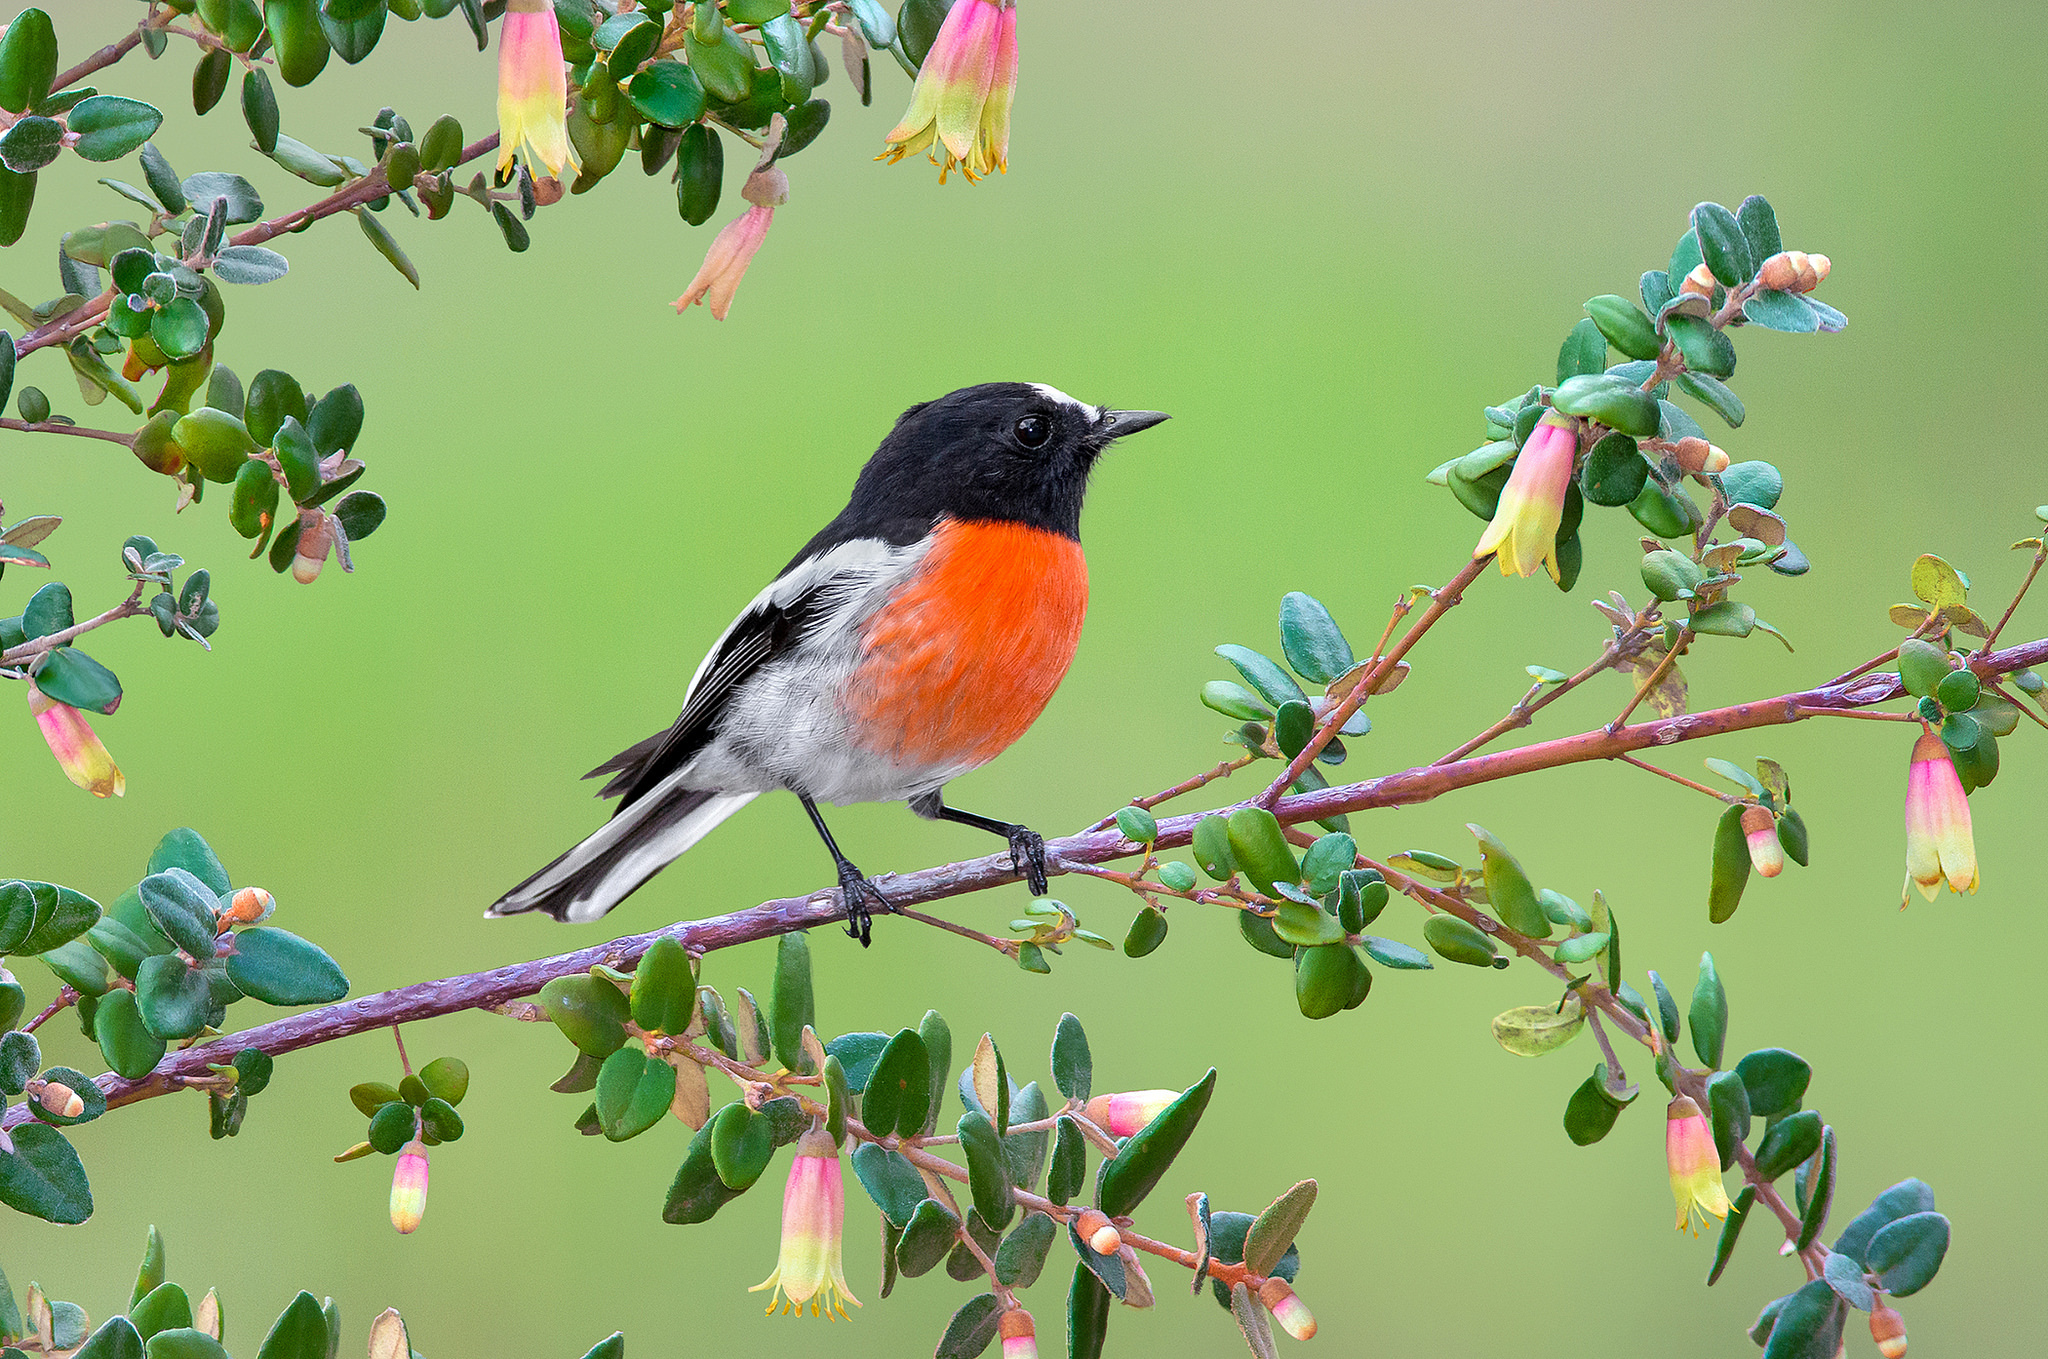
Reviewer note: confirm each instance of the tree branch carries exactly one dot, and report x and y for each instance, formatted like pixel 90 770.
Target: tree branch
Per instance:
pixel 484 990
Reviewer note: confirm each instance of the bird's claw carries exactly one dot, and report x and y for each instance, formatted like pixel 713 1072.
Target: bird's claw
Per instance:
pixel 854 892
pixel 1027 857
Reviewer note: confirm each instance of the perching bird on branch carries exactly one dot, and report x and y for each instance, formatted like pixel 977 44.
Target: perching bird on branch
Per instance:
pixel 914 639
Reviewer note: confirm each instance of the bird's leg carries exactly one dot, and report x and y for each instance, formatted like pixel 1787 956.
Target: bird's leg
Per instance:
pixel 854 887
pixel 1027 846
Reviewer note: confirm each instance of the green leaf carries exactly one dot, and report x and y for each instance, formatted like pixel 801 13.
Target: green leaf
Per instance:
pixel 203 189
pixel 68 915
pixel 184 1343
pixel 387 245
pixel 1907 1196
pixel 1819 1184
pixel 988 1169
pixel 897 1095
pixel 1715 395
pixel 664 995
pixel 590 1012
pixel 1021 1258
pixel 300 1332
pixel 1788 312
pixel 1731 866
pixel 186 849
pixel 78 966
pixel 1709 1013
pixel 182 908
pixel 179 329
pixel 248 264
pixel 174 997
pixel 1133 1172
pixel 1728 1105
pixel 360 513
pixel 741 1145
pixel 43 1177
pixel 1259 847
pixel 612 1346
pixel 20 1056
pixel 974 1325
pixel 150 1275
pixel 1026 1150
pixel 1311 640
pixel 1807 1325
pixel 790 1003
pixel 1787 1142
pixel 28 61
pixel 1072 1065
pixel 109 126
pixel 890 1180
pixel 279 968
pixel 633 1092
pixel 1329 978
pixel 1775 1079
pixel 668 93
pixel 1905 1254
pixel 1614 472
pixel 1624 326
pixel 116 1338
pixel 1590 1113
pixel 298 39
pixel 1619 405
pixel 1508 887
pixel 1731 1230
pixel 1533 1030
pixel 1087 1311
pixel 1723 245
pixel 1584 352
pixel 31 144
pixel 1759 228
pixel 1263 674
pixel 165 1307
pixel 926 1239
pixel 1069 1168
pixel 1273 1233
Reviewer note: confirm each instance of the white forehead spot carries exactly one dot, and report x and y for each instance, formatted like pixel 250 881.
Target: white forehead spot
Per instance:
pixel 1055 394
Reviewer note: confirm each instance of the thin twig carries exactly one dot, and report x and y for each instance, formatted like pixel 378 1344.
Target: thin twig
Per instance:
pixel 1713 793
pixel 1006 947
pixel 2040 555
pixel 1654 678
pixel 1519 715
pixel 59 427
pixel 36 646
pixel 1223 770
pixel 66 997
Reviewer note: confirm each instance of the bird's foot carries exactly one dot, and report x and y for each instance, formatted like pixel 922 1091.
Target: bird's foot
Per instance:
pixel 1027 857
pixel 855 892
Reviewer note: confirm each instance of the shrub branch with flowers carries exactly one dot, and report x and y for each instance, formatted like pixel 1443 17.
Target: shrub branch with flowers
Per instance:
pixel 965 1167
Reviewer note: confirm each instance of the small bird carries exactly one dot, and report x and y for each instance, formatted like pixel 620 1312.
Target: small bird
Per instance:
pixel 915 638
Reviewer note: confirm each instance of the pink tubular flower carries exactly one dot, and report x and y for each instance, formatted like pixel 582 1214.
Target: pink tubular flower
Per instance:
pixel 1695 1165
pixel 813 1209
pixel 1760 829
pixel 1123 1114
pixel 725 264
pixel 1938 842
pixel 960 105
pixel 409 1188
pixel 1525 523
pixel 80 753
pixel 533 91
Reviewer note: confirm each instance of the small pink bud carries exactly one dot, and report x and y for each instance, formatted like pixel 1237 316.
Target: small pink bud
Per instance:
pixel 1020 1337
pixel 409 1188
pixel 1121 1115
pixel 316 538
pixel 1760 829
pixel 1288 1309
pixel 1888 1329
pixel 248 906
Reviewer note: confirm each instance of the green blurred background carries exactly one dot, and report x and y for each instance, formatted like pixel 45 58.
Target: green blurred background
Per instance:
pixel 1322 237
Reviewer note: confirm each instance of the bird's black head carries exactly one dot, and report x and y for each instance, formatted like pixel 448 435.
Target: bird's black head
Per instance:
pixel 1015 451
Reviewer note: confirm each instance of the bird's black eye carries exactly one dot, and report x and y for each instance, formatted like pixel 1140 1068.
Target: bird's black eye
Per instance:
pixel 1033 431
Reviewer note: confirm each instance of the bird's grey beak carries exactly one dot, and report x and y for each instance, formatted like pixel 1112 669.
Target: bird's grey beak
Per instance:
pixel 1116 424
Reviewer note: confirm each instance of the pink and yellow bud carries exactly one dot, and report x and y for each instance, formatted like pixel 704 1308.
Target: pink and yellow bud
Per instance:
pixel 533 92
pixel 1760 829
pixel 1888 1329
pixel 813 1211
pixel 1098 1231
pixel 1938 840
pixel 1700 281
pixel 725 264
pixel 1121 1115
pixel 60 1099
pixel 1020 1337
pixel 1531 508
pixel 1288 1309
pixel 1694 1164
pixel 409 1188
pixel 80 753
pixel 316 540
pixel 1793 271
pixel 960 105
pixel 1697 457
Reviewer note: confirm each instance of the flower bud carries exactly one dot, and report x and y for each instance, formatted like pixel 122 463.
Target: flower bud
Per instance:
pixel 1098 1231
pixel 1700 281
pixel 1020 1337
pixel 1287 1309
pixel 248 906
pixel 1121 1115
pixel 1694 1164
pixel 1888 1329
pixel 1794 271
pixel 80 753
pixel 1939 843
pixel 315 538
pixel 1766 855
pixel 409 1188
pixel 1697 457
pixel 60 1099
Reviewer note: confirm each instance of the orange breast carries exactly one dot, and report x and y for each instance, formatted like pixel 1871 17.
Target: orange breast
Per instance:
pixel 961 662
